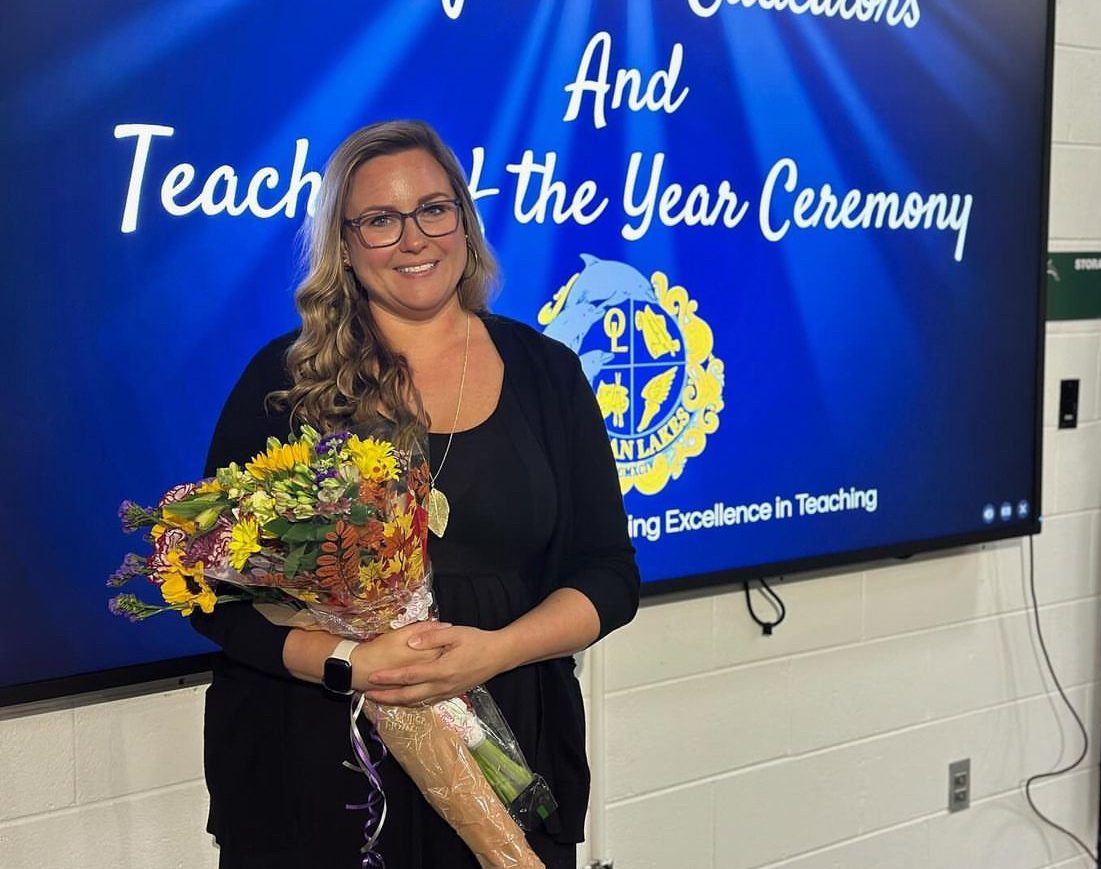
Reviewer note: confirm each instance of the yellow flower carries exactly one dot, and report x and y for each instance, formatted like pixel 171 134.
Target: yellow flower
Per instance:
pixel 206 599
pixel 186 587
pixel 174 588
pixel 279 457
pixel 374 458
pixel 208 486
pixel 243 542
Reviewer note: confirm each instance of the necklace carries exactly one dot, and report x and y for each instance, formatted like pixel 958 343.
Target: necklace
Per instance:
pixel 439 510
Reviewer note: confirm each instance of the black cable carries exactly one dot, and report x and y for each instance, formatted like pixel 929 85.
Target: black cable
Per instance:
pixel 1066 700
pixel 766 627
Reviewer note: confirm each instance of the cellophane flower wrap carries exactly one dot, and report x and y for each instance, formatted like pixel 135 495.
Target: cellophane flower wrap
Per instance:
pixel 337 525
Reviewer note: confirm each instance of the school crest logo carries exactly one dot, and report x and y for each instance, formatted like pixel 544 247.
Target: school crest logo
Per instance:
pixel 648 356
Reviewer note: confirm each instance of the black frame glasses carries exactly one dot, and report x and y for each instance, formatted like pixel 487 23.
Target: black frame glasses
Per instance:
pixel 356 223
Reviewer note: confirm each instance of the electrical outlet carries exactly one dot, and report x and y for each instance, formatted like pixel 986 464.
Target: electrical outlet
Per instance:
pixel 959 785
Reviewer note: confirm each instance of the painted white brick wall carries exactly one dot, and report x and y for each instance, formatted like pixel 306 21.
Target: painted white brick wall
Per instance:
pixel 824 746
pixel 114 785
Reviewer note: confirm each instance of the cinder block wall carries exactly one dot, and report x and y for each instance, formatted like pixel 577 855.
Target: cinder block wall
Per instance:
pixel 825 746
pixel 110 786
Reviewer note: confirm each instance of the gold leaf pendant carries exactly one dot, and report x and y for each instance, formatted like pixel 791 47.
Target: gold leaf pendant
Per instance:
pixel 439 511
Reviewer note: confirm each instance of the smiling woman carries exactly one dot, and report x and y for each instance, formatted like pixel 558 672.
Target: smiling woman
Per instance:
pixel 395 331
pixel 407 253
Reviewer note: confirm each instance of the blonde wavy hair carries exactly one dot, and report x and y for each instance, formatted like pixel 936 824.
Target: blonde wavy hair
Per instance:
pixel 343 372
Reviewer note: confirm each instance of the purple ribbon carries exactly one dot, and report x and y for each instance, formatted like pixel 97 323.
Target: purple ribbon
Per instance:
pixel 375 806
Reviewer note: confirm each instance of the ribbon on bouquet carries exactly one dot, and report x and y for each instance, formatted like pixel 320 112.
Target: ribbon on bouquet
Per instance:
pixel 375 806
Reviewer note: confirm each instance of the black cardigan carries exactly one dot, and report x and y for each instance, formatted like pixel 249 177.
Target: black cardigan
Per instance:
pixel 252 789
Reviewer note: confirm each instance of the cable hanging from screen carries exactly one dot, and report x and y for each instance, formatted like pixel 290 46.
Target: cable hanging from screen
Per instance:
pixel 773 599
pixel 1077 718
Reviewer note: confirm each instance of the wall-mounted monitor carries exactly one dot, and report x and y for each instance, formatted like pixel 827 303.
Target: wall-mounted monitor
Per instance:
pixel 797 244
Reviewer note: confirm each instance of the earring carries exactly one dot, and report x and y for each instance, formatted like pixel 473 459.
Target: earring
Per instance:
pixel 345 260
pixel 471 256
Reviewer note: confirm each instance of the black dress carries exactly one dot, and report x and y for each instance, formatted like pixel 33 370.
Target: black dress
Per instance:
pixel 485 570
pixel 535 506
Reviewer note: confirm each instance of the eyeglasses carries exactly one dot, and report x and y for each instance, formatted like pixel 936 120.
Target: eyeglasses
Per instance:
pixel 384 228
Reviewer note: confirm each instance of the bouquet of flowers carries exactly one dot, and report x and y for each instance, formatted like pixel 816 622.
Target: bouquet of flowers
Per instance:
pixel 337 525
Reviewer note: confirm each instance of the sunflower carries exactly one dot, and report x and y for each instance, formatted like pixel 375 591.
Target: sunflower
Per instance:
pixel 279 457
pixel 185 587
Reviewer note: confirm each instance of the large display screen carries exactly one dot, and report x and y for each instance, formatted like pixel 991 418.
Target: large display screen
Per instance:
pixel 797 244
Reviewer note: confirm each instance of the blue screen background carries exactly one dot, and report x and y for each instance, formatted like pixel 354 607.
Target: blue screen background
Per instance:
pixel 865 358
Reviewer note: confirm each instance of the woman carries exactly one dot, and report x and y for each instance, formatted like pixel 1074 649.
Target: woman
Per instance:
pixel 534 564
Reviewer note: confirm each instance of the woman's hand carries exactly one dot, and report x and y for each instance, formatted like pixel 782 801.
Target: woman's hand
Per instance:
pixel 396 649
pixel 565 622
pixel 464 657
pixel 305 652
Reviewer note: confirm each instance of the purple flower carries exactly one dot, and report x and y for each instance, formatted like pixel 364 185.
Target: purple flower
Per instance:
pixel 326 474
pixel 134 516
pixel 132 565
pixel 129 606
pixel 331 442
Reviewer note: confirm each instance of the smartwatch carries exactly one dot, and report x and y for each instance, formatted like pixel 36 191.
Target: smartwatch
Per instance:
pixel 337 675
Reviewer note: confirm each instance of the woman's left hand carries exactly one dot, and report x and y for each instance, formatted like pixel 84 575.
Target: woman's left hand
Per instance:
pixel 470 656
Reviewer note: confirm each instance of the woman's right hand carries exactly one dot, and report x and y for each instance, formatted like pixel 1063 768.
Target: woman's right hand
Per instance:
pixel 391 650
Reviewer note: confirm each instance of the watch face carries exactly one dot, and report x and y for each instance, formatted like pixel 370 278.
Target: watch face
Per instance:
pixel 338 676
